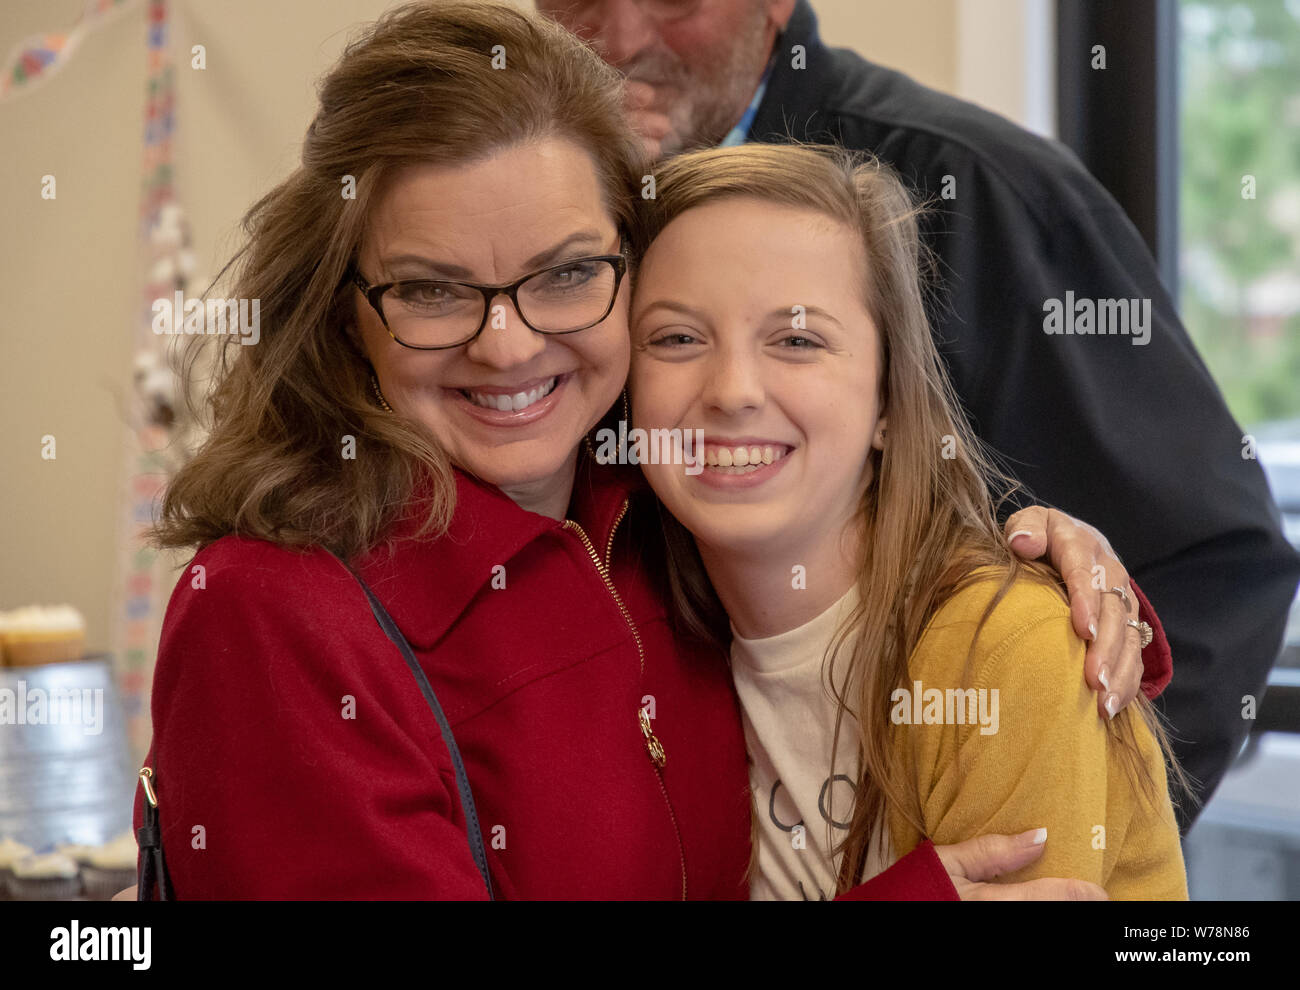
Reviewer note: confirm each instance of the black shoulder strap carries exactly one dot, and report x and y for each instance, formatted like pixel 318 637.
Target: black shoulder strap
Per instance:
pixel 472 830
pixel 153 866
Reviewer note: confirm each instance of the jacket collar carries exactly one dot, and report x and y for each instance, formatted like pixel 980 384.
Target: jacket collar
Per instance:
pixel 427 583
pixel 794 97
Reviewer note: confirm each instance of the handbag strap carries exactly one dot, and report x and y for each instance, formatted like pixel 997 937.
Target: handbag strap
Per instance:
pixel 153 865
pixel 472 830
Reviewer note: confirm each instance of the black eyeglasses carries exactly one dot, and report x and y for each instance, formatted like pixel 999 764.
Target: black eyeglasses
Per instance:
pixel 435 314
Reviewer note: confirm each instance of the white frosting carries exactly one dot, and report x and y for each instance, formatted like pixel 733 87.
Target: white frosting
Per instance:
pixel 79 853
pixel 42 618
pixel 11 850
pixel 45 866
pixel 119 853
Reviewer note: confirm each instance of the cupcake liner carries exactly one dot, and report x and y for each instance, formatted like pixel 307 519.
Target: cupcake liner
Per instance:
pixel 44 888
pixel 22 652
pixel 101 884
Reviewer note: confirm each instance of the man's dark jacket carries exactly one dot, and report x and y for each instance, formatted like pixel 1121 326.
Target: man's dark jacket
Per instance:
pixel 1134 439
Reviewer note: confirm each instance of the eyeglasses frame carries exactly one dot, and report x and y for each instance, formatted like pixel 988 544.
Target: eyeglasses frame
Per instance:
pixel 374 294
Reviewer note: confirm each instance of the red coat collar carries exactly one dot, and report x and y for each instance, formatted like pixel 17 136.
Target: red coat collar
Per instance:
pixel 426 584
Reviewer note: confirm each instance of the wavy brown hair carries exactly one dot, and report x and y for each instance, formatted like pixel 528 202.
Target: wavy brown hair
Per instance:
pixel 420 87
pixel 928 517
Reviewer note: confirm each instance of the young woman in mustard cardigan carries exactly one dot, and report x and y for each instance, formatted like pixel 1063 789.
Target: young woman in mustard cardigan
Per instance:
pixel 902 675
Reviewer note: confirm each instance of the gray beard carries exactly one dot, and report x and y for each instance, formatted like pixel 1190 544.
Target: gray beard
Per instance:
pixel 709 106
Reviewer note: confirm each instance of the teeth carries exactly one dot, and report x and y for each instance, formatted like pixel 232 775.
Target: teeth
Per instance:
pixel 510 403
pixel 742 460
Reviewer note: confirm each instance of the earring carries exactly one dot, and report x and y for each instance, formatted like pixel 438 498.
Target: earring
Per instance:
pixel 379 395
pixel 627 416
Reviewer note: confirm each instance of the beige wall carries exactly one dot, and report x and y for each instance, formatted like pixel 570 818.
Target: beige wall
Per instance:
pixel 918 37
pixel 69 269
pixel 997 53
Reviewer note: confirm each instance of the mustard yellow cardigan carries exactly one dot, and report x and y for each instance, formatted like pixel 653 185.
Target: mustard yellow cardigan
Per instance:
pixel 1052 762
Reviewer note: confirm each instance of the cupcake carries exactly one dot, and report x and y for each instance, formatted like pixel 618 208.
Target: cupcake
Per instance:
pixel 37 634
pixel 9 851
pixel 107 869
pixel 73 851
pixel 48 876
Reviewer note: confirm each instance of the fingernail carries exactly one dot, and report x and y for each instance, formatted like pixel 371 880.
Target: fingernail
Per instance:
pixel 1092 629
pixel 1038 837
pixel 1112 705
pixel 1019 532
pixel 1105 681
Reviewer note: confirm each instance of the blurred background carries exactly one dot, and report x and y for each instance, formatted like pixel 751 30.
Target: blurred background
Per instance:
pixel 1211 95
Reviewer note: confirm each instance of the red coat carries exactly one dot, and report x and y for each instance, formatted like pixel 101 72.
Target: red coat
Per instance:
pixel 294 756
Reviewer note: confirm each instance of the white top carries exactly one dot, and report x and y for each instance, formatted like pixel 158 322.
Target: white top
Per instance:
pixel 789 718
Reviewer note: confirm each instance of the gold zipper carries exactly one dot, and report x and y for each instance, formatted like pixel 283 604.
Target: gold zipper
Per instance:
pixel 654 748
pixel 609 547
pixel 603 570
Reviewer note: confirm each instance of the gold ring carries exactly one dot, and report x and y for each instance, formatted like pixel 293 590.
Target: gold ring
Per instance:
pixel 1144 631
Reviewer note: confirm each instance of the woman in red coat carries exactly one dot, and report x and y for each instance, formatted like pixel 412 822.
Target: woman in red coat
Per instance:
pixel 443 292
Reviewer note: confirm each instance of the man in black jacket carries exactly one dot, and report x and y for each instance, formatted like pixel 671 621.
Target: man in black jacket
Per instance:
pixel 1125 429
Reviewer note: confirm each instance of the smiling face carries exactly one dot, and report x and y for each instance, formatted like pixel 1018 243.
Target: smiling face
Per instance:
pixel 512 406
pixel 718 345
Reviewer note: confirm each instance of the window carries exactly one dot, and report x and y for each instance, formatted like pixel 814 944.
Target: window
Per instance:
pixel 1194 127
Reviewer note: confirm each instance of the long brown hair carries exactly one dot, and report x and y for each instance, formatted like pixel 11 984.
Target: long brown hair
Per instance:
pixel 443 83
pixel 928 515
